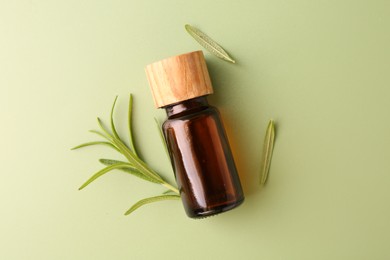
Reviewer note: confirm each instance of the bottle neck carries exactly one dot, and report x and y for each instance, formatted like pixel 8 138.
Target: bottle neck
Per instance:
pixel 187 107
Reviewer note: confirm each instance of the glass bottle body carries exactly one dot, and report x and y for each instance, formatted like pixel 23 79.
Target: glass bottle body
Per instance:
pixel 201 158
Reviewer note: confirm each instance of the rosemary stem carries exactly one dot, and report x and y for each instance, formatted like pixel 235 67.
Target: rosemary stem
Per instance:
pixel 140 165
pixel 169 186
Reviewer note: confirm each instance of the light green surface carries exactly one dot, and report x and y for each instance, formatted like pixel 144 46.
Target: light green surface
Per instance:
pixel 319 68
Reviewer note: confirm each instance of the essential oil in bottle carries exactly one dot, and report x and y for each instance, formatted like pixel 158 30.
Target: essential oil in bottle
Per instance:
pixel 199 150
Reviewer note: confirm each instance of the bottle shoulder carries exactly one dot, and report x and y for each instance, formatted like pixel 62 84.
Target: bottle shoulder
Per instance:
pixel 206 112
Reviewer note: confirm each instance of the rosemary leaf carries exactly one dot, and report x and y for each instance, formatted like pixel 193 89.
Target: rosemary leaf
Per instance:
pixel 101 134
pixel 105 131
pixel 167 192
pixel 267 152
pixel 108 162
pixel 112 119
pixel 102 172
pixel 130 169
pixel 150 200
pixel 130 124
pixel 208 43
pixel 95 143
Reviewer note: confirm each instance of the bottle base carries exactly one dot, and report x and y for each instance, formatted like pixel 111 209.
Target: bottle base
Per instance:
pixel 204 213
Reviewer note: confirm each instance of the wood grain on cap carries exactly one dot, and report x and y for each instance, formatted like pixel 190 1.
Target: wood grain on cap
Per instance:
pixel 179 78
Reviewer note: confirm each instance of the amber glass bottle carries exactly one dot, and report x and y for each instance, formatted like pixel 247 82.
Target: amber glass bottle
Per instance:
pixel 200 154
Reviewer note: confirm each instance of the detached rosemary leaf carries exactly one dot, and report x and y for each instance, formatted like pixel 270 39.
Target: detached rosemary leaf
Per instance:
pixel 267 152
pixel 208 43
pixel 95 143
pixel 129 169
pixel 150 200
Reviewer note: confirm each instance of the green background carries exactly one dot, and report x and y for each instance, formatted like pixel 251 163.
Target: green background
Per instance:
pixel 320 69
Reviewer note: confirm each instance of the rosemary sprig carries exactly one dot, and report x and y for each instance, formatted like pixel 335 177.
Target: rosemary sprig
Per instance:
pixel 208 43
pixel 134 165
pixel 267 152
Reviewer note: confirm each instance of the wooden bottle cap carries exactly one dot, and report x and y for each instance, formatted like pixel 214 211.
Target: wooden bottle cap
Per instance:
pixel 179 78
